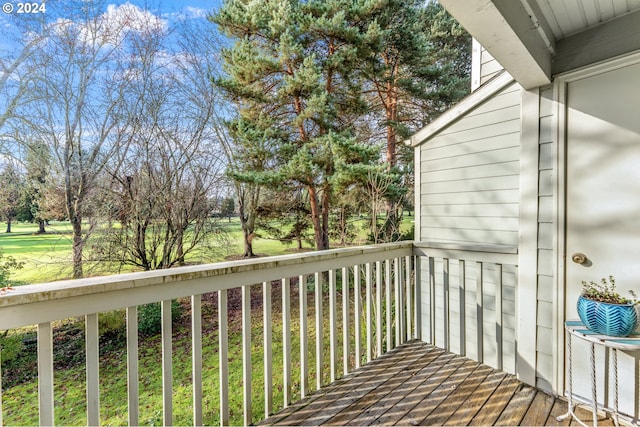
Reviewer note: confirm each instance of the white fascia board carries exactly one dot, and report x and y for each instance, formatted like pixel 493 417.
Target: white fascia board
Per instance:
pixel 476 98
pixel 506 29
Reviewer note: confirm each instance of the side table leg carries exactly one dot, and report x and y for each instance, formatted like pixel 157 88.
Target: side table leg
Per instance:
pixel 594 392
pixel 570 405
pixel 615 389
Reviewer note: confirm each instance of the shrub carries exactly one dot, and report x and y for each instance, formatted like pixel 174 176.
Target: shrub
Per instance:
pixel 112 322
pixel 11 345
pixel 7 264
pixel 149 317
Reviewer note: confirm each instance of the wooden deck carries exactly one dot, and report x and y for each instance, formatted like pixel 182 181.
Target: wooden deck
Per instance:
pixel 418 384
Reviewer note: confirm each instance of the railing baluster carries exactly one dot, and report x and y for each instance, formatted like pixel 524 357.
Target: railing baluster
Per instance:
pixel 319 320
pixel 479 311
pixel 499 353
pixel 304 331
pixel 167 369
pixel 417 301
pixel 92 369
pixel 357 313
pixel 408 299
pixel 379 330
pixel 196 357
pixel 1 422
pixel 223 352
pixel 345 320
pixel 333 338
pixel 266 321
pixel 246 353
pixel 432 299
pixel 45 373
pixel 286 339
pixel 445 304
pixel 399 304
pixel 132 366
pixel 369 310
pixel 462 286
pixel 389 306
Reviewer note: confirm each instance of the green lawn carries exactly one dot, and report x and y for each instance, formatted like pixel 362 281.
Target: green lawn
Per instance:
pixel 20 402
pixel 47 257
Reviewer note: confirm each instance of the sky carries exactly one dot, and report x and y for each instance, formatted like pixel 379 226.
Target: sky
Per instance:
pixel 167 10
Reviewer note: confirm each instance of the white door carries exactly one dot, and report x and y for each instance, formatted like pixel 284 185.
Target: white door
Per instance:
pixel 603 196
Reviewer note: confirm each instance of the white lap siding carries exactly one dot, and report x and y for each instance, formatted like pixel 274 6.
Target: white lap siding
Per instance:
pixel 470 176
pixel 469 194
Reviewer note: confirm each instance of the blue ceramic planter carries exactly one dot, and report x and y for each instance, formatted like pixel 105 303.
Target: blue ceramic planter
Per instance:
pixel 618 320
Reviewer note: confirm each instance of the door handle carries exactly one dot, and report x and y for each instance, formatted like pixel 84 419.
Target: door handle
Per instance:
pixel 579 258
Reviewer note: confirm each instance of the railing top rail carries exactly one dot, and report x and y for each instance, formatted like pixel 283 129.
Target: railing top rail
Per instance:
pixel 499 254
pixel 470 247
pixel 284 264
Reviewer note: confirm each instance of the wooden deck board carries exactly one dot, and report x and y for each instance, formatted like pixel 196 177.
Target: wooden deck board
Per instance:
pixel 458 398
pixel 518 406
pixel 539 410
pixel 418 384
pixel 443 388
pixel 375 403
pixel 497 402
pixel 408 400
pixel 333 400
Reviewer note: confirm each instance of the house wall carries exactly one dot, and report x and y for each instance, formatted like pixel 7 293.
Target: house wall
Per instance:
pixel 483 66
pixel 546 252
pixel 469 175
pixel 469 194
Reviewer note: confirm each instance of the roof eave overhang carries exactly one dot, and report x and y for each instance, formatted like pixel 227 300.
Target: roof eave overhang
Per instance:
pixel 517 37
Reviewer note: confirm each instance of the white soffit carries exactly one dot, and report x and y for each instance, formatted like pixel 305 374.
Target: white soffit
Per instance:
pixel 536 39
pixel 568 17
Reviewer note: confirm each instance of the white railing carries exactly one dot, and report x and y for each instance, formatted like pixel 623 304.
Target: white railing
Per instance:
pixel 378 309
pixel 468 300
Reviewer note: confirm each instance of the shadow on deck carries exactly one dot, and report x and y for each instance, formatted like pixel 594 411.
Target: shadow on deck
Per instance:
pixel 419 384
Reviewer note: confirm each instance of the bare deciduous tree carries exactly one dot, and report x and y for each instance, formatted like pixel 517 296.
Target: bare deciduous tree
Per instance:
pixel 79 96
pixel 165 183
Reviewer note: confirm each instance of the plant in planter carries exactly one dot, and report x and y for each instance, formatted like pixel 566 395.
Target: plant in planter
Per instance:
pixel 603 310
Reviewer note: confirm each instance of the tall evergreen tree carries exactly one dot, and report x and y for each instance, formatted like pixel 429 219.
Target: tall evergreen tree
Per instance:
pixel 291 72
pixel 38 169
pixel 11 187
pixel 419 68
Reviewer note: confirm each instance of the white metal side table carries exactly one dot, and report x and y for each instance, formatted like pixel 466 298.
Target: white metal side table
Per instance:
pixel 575 328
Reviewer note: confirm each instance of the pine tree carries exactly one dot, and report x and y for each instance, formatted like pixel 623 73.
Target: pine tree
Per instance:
pixel 11 187
pixel 418 69
pixel 291 73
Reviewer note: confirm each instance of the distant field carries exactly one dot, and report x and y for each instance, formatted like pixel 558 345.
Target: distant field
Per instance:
pixel 47 257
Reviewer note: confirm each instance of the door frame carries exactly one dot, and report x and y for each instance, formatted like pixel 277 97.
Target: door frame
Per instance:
pixel 560 85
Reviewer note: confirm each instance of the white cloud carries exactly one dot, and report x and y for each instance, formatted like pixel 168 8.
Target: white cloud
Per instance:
pixel 189 12
pixel 114 24
pixel 131 17
pixel 196 12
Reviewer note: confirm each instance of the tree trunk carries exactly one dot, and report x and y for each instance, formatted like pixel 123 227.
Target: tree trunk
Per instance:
pixel 180 250
pixel 248 243
pixel 41 224
pixel 326 194
pixel 391 225
pixel 315 217
pixel 77 246
pixel 8 225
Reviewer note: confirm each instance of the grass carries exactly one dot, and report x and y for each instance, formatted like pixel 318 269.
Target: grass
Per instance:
pixel 46 258
pixel 20 401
